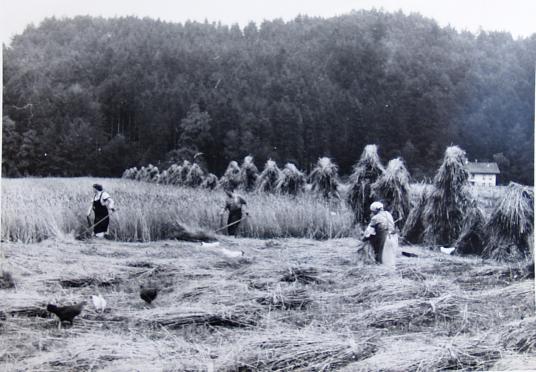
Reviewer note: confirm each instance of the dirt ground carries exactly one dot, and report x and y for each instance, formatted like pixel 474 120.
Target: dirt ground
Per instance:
pixel 289 304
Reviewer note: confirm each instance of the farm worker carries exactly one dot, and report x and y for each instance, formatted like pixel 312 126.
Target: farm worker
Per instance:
pixel 382 235
pixel 233 205
pixel 101 204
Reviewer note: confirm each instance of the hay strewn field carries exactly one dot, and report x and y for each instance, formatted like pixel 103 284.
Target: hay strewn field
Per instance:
pixel 286 304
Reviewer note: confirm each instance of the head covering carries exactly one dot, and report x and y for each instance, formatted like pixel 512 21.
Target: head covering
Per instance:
pixel 376 206
pixel 229 189
pixel 97 187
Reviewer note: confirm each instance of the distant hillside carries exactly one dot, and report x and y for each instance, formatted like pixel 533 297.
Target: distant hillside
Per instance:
pixel 96 96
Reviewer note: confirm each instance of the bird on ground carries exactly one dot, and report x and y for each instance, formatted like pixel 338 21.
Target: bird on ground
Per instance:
pixel 210 245
pixel 148 294
pixel 99 302
pixel 232 254
pixel 66 313
pixel 447 250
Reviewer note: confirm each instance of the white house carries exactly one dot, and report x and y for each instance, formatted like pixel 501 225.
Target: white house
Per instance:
pixel 482 174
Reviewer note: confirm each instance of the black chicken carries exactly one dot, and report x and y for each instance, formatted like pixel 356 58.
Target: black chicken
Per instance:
pixel 148 294
pixel 66 313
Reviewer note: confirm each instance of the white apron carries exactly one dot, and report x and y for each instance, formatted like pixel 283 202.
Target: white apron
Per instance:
pixel 390 250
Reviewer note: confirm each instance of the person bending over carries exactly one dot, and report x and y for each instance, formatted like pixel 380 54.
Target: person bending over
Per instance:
pixel 233 205
pixel 381 234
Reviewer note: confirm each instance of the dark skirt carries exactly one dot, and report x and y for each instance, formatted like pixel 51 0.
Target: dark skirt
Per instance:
pixel 233 217
pixel 102 226
pixel 377 242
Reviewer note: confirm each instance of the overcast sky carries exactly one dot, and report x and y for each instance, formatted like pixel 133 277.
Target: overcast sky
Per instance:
pixel 515 16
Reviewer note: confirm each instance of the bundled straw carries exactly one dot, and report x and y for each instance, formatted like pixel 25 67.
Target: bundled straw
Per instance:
pixel 412 314
pixel 367 170
pixel 231 178
pixel 449 201
pixel 86 282
pixel 395 289
pixel 183 317
pixel 521 336
pixel 210 182
pixel 511 225
pixel 153 173
pixel 473 237
pixel 301 275
pixel 173 175
pixel 130 173
pixel 163 178
pixel 267 181
pixel 291 180
pixel 413 230
pixel 175 230
pixel 491 307
pixel 467 355
pixel 194 178
pixel 512 361
pixel 184 169
pixel 428 352
pixel 248 173
pixel 393 189
pixel 324 178
pixel 148 174
pixel 141 175
pixel 286 298
pixel 300 350
pixel 29 311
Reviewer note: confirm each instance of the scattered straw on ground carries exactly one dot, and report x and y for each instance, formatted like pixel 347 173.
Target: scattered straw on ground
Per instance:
pixel 285 304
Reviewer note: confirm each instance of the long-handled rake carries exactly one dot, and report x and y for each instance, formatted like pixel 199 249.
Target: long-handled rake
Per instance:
pixel 233 223
pixel 95 224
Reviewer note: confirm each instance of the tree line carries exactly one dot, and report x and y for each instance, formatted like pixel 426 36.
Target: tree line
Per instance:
pixel 95 96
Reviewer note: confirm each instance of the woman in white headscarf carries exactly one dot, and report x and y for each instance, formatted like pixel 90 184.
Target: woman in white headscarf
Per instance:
pixel 382 235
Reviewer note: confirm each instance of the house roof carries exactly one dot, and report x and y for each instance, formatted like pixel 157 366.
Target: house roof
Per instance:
pixel 482 168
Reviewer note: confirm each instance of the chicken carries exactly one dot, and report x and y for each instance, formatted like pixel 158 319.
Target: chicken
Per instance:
pixel 148 294
pixel 447 250
pixel 66 313
pixel 99 302
pixel 232 254
pixel 210 245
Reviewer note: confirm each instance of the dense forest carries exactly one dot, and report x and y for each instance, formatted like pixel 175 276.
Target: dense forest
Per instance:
pixel 94 96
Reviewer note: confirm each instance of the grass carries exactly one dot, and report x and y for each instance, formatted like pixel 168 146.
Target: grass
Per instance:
pixel 39 208
pixel 287 304
pixel 36 209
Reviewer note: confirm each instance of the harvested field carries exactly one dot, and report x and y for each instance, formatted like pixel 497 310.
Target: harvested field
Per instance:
pixel 287 304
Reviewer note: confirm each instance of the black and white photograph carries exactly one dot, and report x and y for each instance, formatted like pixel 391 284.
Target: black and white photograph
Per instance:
pixel 342 185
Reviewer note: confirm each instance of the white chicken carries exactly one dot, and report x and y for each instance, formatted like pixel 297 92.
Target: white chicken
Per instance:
pixel 232 254
pixel 447 250
pixel 226 252
pixel 99 302
pixel 210 245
